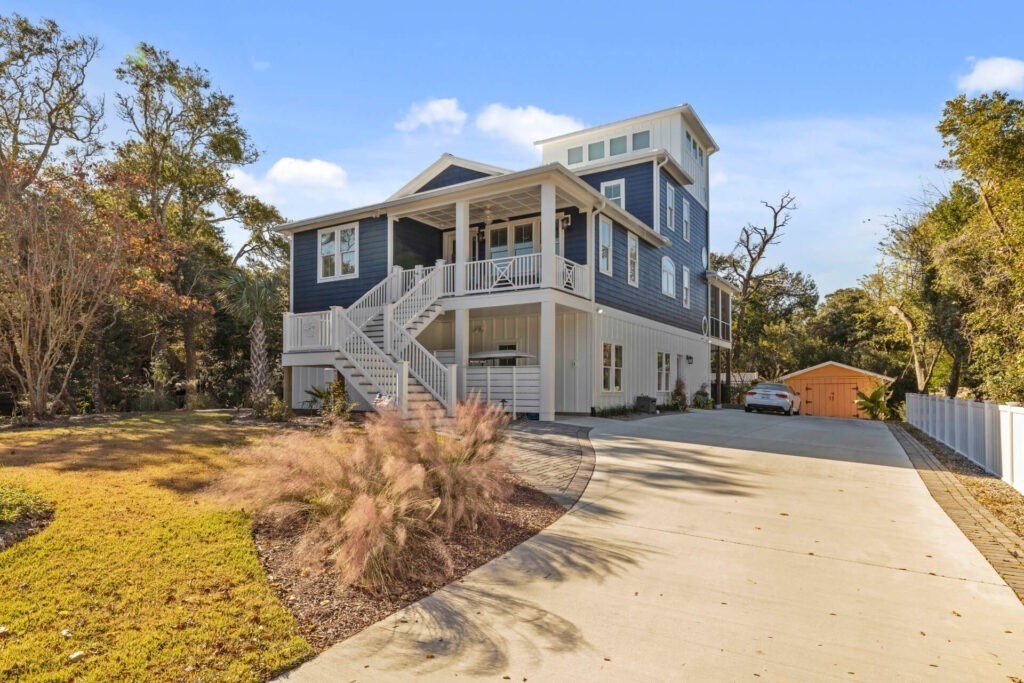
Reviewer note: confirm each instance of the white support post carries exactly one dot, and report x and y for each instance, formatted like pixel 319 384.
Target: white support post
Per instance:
pixel 391 241
pixel 547 360
pixel 453 383
pixel 387 317
pixel 547 234
pixel 461 245
pixel 461 348
pixel 337 339
pixel 402 399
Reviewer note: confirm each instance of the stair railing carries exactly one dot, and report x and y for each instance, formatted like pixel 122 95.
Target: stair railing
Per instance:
pixel 385 375
pixel 435 376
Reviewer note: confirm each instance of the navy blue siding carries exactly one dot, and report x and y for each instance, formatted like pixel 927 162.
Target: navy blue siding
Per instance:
pixel 639 188
pixel 453 175
pixel 308 295
pixel 647 300
pixel 576 238
pixel 416 243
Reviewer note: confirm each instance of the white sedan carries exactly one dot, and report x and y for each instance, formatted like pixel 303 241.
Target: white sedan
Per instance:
pixel 771 396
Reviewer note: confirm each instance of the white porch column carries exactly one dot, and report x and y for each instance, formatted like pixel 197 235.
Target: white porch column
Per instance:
pixel 461 246
pixel 461 350
pixel 547 360
pixel 547 235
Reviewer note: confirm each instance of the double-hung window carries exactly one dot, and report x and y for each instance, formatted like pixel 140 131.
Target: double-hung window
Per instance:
pixel 664 371
pixel 615 191
pixel 686 220
pixel 686 287
pixel 604 256
pixel 612 367
pixel 668 277
pixel 339 252
pixel 670 207
pixel 633 259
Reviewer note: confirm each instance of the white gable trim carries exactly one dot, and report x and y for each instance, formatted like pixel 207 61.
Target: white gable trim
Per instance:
pixel 446 161
pixel 838 365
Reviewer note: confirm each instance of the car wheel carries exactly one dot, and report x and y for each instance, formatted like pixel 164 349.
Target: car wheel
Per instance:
pixel 747 409
pixel 788 411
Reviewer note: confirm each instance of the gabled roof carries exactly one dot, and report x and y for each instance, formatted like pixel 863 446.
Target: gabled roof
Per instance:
pixel 838 365
pixel 685 110
pixel 445 162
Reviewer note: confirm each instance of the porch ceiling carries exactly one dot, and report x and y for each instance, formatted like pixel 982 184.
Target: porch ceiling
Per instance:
pixel 496 208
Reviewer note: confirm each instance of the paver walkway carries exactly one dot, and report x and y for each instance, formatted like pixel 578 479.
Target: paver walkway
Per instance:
pixel 718 546
pixel 552 456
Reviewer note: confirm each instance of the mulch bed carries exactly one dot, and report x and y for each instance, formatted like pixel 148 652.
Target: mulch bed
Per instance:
pixel 26 525
pixel 328 613
pixel 994 494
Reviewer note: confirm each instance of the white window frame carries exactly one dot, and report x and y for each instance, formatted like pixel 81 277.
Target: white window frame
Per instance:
pixel 625 138
pixel 663 371
pixel 665 260
pixel 686 219
pixel 609 386
pixel 603 150
pixel 337 230
pixel 632 259
pixel 601 222
pixel 632 146
pixel 569 162
pixel 670 206
pixel 621 182
pixel 686 287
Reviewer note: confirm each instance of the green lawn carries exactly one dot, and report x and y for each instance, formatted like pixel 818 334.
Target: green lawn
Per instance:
pixel 154 581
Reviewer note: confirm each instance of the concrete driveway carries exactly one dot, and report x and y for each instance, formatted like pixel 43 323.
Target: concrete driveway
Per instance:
pixel 718 546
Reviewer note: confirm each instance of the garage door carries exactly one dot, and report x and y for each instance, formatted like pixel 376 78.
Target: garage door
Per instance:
pixel 828 398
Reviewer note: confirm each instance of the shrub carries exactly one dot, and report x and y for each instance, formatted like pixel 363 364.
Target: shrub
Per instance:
pixel 615 411
pixel 876 404
pixel 679 395
pixel 200 401
pixel 333 399
pixel 16 502
pixel 271 407
pixel 702 398
pixel 375 507
pixel 150 400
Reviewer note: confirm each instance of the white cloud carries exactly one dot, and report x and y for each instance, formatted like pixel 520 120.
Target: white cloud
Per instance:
pixel 299 188
pixel 259 64
pixel 524 125
pixel 441 114
pixel 312 173
pixel 994 73
pixel 847 176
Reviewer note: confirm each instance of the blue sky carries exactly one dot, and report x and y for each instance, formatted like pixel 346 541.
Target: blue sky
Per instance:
pixel 835 101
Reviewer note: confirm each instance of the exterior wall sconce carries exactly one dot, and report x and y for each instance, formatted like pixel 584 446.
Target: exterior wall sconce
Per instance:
pixel 689 360
pixel 600 311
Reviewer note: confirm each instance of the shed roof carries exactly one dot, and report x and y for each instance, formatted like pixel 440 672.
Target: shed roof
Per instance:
pixel 838 365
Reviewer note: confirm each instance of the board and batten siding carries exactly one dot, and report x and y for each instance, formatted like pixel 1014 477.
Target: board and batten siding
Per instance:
pixel 640 346
pixel 310 295
pixel 304 379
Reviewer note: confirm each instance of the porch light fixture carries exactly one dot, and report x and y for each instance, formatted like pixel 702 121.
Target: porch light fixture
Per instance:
pixel 600 311
pixel 689 360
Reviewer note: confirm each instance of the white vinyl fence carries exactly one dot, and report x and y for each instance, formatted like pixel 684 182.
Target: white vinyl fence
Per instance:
pixel 989 434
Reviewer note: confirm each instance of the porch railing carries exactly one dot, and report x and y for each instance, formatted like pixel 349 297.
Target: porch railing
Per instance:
pixel 307 331
pixel 369 359
pixel 572 277
pixel 435 376
pixel 501 274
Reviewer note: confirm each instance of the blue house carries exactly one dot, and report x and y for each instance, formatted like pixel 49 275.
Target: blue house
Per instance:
pixel 577 284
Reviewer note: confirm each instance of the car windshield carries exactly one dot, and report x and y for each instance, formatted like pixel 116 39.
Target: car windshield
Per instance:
pixel 773 387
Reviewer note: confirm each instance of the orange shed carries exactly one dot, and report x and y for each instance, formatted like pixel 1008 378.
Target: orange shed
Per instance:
pixel 829 389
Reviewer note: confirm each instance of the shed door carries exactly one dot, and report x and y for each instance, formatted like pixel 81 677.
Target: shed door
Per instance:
pixel 828 397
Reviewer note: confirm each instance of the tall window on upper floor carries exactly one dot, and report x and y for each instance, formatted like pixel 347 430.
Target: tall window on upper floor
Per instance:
pixel 604 257
pixel 615 191
pixel 575 155
pixel 668 277
pixel 686 220
pixel 670 207
pixel 617 146
pixel 339 252
pixel 595 150
pixel 686 287
pixel 641 140
pixel 633 260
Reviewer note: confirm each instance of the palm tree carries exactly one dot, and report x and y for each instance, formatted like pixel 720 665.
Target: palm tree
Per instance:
pixel 254 297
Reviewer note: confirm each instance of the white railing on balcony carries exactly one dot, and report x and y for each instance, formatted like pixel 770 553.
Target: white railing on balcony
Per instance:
pixel 989 434
pixel 307 331
pixel 503 274
pixel 435 376
pixel 572 277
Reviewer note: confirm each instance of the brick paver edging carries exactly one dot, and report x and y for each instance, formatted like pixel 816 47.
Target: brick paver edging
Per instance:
pixel 1003 549
pixel 554 457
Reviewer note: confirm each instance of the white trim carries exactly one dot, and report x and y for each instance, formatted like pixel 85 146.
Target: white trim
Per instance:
pixel 686 219
pixel 675 284
pixel 601 220
pixel 621 182
pixel 685 110
pixel 670 206
pixel 337 230
pixel 291 272
pixel 443 163
pixel 632 249
pixel 391 242
pixel 687 289
pixel 665 372
pixel 838 365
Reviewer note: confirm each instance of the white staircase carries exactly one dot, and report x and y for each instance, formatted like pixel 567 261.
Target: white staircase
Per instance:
pixel 377 349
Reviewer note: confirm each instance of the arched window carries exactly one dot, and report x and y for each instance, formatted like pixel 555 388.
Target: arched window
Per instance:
pixel 668 277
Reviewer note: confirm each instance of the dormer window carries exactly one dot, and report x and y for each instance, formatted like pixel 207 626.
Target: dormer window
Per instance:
pixel 641 140
pixel 595 150
pixel 617 146
pixel 575 155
